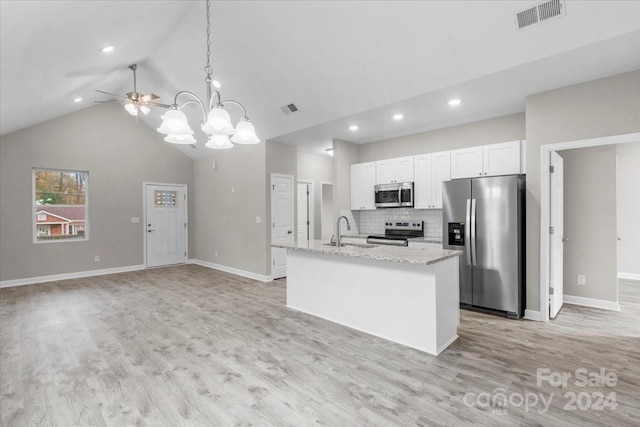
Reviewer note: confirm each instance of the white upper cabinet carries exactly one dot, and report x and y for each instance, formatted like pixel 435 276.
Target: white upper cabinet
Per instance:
pixel 394 170
pixel 486 160
pixel 466 162
pixel 363 178
pixel 501 159
pixel 431 170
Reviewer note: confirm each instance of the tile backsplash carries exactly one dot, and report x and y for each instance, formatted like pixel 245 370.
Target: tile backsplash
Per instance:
pixel 372 222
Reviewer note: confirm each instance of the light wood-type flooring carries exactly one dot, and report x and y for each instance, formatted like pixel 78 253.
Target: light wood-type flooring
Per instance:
pixel 190 346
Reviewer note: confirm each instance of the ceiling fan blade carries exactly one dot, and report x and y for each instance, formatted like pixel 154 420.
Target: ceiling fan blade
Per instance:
pixel 112 94
pixel 111 101
pixel 157 104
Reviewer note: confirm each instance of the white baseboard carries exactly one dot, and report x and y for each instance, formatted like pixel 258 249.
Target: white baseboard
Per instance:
pixel 66 276
pixel 533 315
pixel 629 276
pixel 236 271
pixel 591 302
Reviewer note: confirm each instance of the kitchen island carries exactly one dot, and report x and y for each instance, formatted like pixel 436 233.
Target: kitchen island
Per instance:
pixel 406 295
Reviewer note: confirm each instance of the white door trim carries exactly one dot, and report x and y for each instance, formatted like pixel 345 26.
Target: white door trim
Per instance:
pixel 545 202
pixel 144 217
pixel 312 196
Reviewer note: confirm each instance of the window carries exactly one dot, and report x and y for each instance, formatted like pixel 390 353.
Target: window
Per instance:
pixel 60 205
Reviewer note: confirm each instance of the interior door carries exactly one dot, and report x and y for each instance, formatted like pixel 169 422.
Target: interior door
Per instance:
pixel 165 224
pixel 303 212
pixel 556 240
pixel 281 221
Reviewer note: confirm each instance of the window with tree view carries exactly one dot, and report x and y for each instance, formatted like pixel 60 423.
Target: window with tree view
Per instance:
pixel 60 205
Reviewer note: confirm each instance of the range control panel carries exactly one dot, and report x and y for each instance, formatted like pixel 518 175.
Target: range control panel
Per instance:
pixel 404 225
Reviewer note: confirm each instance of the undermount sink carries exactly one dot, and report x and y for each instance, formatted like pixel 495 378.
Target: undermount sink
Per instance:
pixel 357 245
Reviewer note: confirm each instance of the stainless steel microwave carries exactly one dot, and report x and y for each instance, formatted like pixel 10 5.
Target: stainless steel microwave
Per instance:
pixel 396 195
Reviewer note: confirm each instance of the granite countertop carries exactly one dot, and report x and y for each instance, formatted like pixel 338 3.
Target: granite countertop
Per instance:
pixel 402 254
pixel 425 240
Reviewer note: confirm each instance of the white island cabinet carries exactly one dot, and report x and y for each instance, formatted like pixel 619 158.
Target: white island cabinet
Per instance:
pixel 406 295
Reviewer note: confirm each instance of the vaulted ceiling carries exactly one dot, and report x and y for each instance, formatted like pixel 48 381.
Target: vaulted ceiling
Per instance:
pixel 340 62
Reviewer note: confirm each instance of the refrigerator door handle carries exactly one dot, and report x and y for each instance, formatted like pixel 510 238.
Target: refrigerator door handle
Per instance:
pixel 474 260
pixel 467 225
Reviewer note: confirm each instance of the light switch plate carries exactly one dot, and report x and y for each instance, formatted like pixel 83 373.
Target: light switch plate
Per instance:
pixel 135 220
pixel 258 220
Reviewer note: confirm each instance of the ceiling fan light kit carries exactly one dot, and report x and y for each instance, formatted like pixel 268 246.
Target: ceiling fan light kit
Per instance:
pixel 216 120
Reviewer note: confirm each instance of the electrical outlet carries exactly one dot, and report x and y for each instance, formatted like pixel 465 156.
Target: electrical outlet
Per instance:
pixel 216 253
pixel 258 220
pixel 582 279
pixel 233 190
pixel 96 258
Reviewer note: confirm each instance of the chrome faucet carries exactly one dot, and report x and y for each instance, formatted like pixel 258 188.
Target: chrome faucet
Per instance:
pixel 338 229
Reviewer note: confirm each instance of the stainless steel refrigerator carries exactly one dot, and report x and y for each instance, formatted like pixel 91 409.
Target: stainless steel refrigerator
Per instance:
pixel 485 218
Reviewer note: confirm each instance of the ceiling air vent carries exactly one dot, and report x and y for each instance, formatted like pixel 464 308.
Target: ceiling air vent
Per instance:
pixel 540 12
pixel 289 108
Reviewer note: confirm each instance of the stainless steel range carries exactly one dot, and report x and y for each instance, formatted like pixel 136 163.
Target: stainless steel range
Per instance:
pixel 398 233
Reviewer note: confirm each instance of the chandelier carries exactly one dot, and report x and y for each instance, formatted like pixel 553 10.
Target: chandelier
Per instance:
pixel 216 122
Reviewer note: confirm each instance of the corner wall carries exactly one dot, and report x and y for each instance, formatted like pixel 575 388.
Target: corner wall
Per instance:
pixel 603 107
pixel 227 202
pixel 108 143
pixel 629 209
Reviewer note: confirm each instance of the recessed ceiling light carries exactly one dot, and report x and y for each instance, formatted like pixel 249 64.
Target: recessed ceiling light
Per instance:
pixel 216 84
pixel 454 102
pixel 398 116
pixel 353 128
pixel 78 99
pixel 107 49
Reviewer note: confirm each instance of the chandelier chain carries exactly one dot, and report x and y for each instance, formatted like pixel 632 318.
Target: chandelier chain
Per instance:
pixel 207 68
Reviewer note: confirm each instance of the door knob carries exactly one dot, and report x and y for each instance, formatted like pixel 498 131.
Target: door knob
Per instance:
pixel 565 239
pixel 150 230
pixel 289 232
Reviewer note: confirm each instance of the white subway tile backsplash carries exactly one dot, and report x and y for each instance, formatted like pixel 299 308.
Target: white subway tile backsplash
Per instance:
pixel 372 222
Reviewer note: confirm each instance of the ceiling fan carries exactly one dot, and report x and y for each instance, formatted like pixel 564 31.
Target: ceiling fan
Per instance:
pixel 135 101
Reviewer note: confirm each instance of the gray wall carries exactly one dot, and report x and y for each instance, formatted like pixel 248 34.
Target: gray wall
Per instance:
pixel 227 202
pixel 119 154
pixel 316 168
pixel 604 107
pixel 590 222
pixel 490 131
pixel 629 208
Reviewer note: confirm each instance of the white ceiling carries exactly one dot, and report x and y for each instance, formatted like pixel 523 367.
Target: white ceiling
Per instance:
pixel 340 61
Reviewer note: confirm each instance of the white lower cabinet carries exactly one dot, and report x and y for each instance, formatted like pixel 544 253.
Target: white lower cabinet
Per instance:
pixel 363 179
pixel 431 170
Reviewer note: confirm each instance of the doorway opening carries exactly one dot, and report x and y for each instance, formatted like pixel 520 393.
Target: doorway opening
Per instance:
pixel 305 204
pixel 552 284
pixel 326 210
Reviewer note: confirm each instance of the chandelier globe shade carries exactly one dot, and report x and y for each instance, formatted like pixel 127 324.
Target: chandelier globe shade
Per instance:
pixel 245 133
pixel 180 139
pixel 218 122
pixel 174 122
pixel 219 142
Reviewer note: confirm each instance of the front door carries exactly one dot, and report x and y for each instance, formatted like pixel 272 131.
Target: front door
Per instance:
pixel 281 221
pixel 557 238
pixel 165 224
